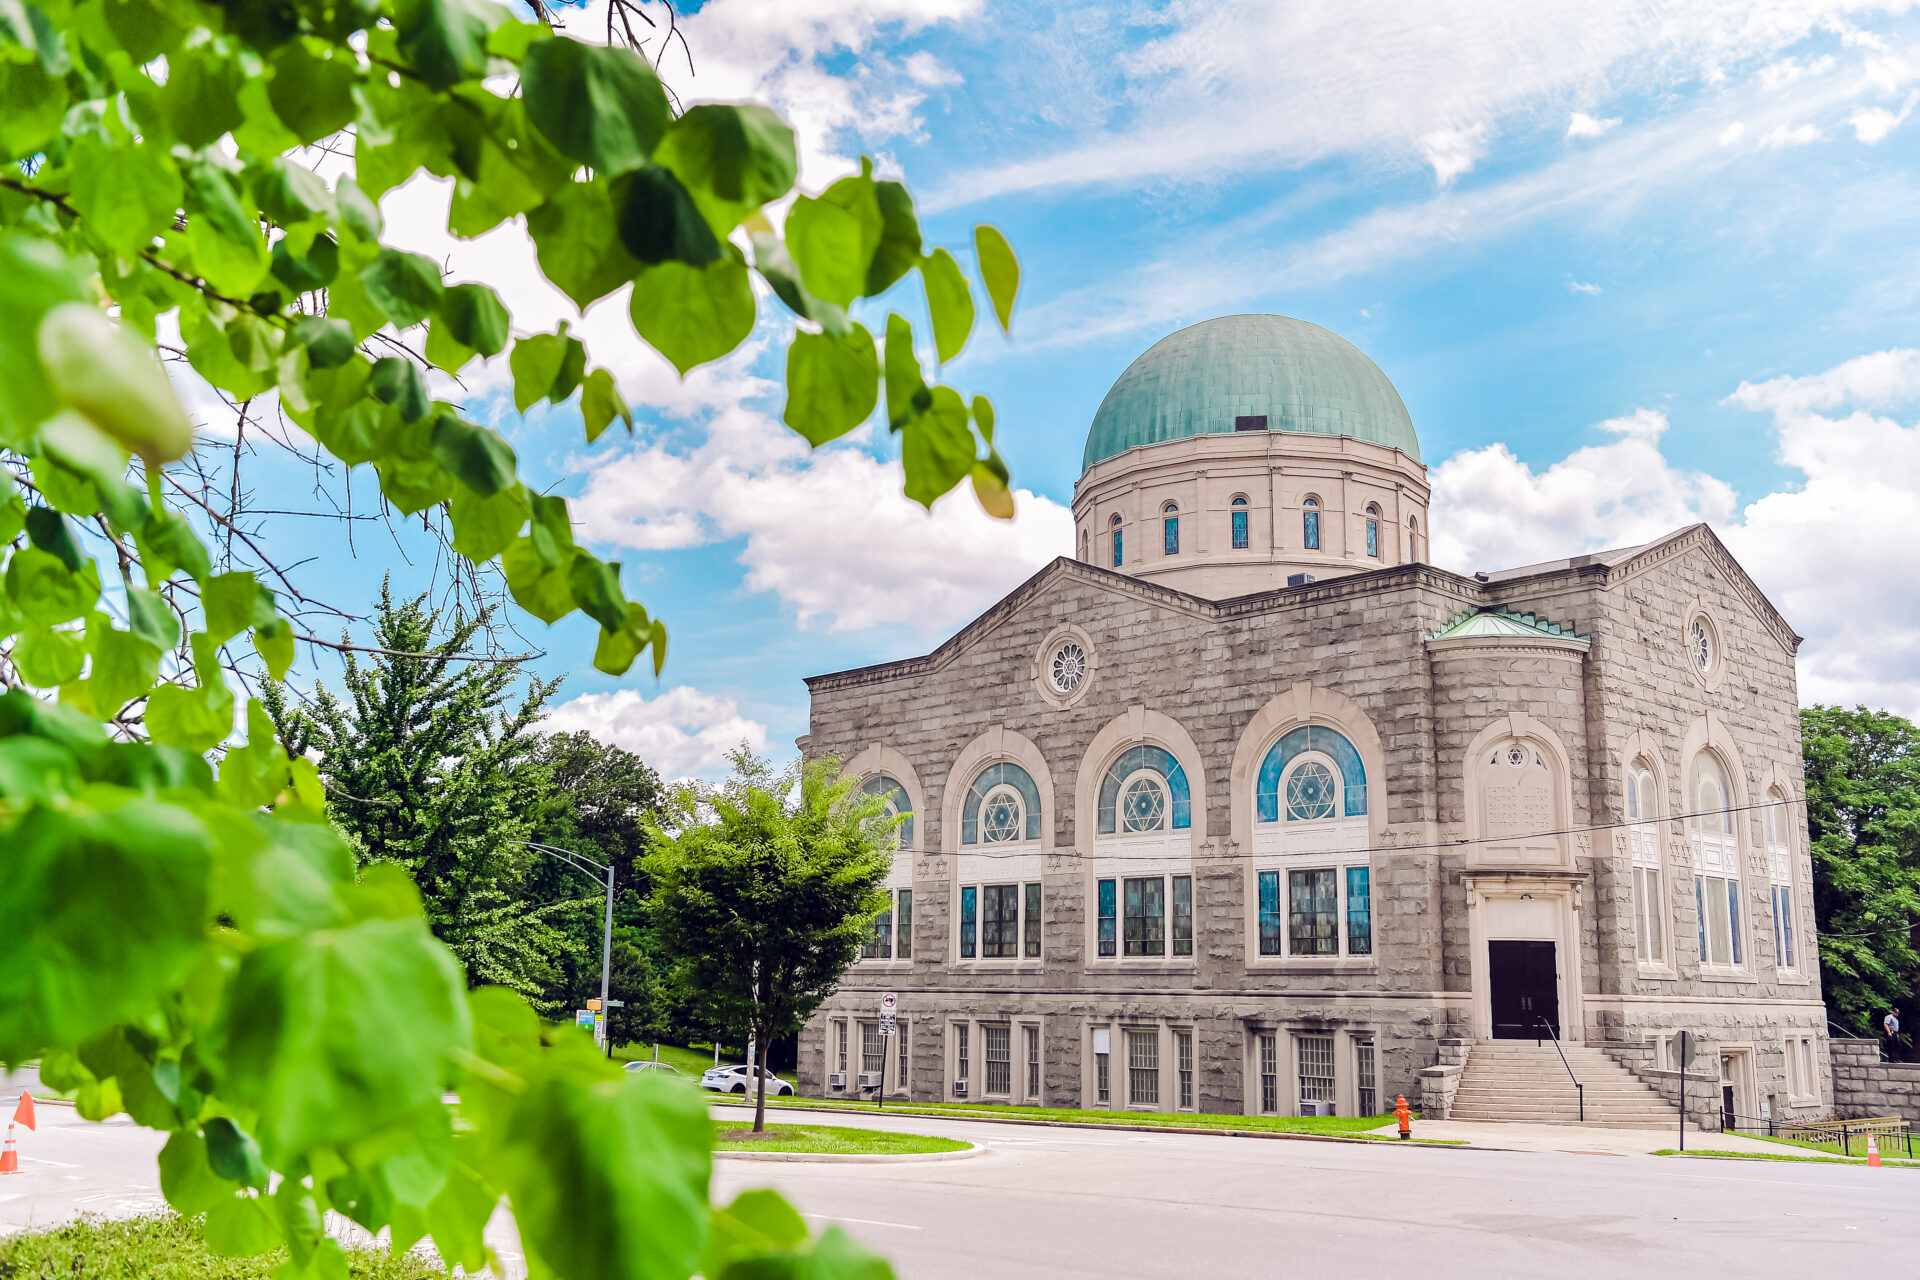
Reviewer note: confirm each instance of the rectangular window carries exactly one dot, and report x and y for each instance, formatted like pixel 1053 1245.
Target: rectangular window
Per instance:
pixel 1239 531
pixel 873 1050
pixel 999 1060
pixel 1310 918
pixel 1143 1068
pixel 1312 529
pixel 1117 557
pixel 1366 1094
pixel 904 916
pixel 1000 922
pixel 1733 920
pixel 1183 1052
pixel 1146 923
pixel 1102 1078
pixel 900 1051
pixel 1650 944
pixel 1269 1073
pixel 1270 913
pixel 840 1032
pixel 967 908
pixel 1032 923
pixel 1373 536
pixel 880 946
pixel 1183 915
pixel 1783 926
pixel 1316 1068
pixel 1107 932
pixel 1359 914
pixel 960 1053
pixel 1033 1064
pixel 1719 903
pixel 1173 535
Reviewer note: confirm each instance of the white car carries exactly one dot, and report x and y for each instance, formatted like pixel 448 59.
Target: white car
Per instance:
pixel 737 1079
pixel 664 1068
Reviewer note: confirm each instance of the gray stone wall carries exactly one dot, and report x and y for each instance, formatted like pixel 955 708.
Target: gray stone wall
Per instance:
pixel 1865 1086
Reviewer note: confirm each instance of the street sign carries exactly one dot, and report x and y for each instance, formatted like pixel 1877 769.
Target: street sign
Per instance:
pixel 583 1017
pixel 886 1025
pixel 594 1005
pixel 888 1001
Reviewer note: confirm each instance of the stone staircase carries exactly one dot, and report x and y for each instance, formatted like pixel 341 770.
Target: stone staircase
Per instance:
pixel 1524 1080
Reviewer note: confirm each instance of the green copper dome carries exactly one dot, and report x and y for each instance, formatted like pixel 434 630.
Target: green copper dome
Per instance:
pixel 1301 377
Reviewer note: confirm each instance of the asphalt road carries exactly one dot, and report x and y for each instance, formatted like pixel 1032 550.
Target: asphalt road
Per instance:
pixel 1072 1202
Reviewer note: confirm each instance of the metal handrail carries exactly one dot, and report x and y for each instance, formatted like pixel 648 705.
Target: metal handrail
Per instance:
pixel 1579 1089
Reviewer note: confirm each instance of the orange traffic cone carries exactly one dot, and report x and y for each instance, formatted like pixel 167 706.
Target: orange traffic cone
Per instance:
pixel 23 1114
pixel 1873 1152
pixel 9 1158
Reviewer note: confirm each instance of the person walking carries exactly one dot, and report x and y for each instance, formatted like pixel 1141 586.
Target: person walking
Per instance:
pixel 1892 1024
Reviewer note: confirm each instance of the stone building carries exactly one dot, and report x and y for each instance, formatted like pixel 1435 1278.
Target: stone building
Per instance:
pixel 1250 809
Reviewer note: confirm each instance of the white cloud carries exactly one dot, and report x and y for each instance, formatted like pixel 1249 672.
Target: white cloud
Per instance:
pixel 1582 125
pixel 1583 286
pixel 1453 152
pixel 1871 125
pixel 683 732
pixel 1797 136
pixel 1732 133
pixel 1779 75
pixel 925 69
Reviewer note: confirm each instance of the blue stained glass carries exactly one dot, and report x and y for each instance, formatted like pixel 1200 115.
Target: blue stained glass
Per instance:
pixel 1116 549
pixel 1328 742
pixel 1239 530
pixel 1359 912
pixel 1173 535
pixel 1132 761
pixel 1700 906
pixel 1733 916
pixel 1312 531
pixel 1270 913
pixel 1107 913
pixel 1373 537
pixel 896 795
pixel 990 777
pixel 968 898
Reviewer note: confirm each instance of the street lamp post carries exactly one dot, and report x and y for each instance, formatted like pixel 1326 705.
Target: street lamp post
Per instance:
pixel 603 873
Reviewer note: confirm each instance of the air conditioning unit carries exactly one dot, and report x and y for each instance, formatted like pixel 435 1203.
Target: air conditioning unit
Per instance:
pixel 869 1079
pixel 1299 579
pixel 1316 1108
pixel 837 1080
pixel 959 1088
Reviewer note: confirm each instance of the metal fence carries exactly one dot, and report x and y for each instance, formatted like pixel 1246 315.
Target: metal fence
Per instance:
pixel 1841 1137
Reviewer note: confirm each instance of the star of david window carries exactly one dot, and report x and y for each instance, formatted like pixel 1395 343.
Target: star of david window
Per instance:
pixel 1144 807
pixel 1002 817
pixel 1068 667
pixel 1310 792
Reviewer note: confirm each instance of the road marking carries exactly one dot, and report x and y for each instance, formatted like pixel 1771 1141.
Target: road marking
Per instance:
pixel 866 1222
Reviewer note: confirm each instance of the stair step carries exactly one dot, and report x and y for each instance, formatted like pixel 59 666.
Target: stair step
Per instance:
pixel 1519 1080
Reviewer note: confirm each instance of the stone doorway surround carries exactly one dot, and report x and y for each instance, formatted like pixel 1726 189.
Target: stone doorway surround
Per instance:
pixel 1530 905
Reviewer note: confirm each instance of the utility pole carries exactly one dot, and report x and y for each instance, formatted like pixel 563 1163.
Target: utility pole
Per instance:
pixel 602 873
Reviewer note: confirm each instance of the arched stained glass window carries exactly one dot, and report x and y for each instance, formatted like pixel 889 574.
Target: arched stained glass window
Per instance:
pixel 1709 796
pixel 1373 532
pixel 1117 556
pixel 1145 758
pixel 895 795
pixel 1003 804
pixel 1310 524
pixel 1331 743
pixel 1413 540
pixel 1239 524
pixel 1170 516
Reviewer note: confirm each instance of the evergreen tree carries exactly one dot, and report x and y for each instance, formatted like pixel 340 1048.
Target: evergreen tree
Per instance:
pixel 429 765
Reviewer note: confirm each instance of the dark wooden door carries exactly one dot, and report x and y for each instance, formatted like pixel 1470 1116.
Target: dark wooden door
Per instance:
pixel 1523 988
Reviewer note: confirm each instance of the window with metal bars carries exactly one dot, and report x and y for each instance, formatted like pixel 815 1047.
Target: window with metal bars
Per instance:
pixel 1171 527
pixel 1366 1095
pixel 873 1049
pixel 1102 1077
pixel 1107 931
pixel 1146 917
pixel 1031 925
pixel 960 1053
pixel 840 1029
pixel 1239 524
pixel 1183 1063
pixel 1033 1064
pixel 1316 1067
pixel 1000 922
pixel 1143 1068
pixel 999 1055
pixel 900 1050
pixel 1269 1073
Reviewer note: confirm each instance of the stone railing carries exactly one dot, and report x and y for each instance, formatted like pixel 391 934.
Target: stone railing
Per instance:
pixel 1703 1087
pixel 1441 1081
pixel 1863 1085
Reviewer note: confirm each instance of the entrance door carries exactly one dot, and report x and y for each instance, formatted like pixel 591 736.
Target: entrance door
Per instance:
pixel 1523 988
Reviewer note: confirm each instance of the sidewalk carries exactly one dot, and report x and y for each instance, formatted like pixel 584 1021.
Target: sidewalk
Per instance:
pixel 1521 1136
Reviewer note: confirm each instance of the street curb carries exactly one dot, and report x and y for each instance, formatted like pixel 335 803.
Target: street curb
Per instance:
pixel 859 1158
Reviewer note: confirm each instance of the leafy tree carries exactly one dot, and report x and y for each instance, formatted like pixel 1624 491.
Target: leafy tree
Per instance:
pixel 765 889
pixel 1863 816
pixel 428 765
pixel 193 944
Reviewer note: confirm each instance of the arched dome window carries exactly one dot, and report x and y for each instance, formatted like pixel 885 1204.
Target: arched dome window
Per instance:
pixel 1373 531
pixel 1716 860
pixel 1170 517
pixel 1310 832
pixel 1002 807
pixel 1127 808
pixel 1310 523
pixel 1239 508
pixel 1118 557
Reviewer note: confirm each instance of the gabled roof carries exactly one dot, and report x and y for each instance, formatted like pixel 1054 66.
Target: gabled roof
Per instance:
pixel 1505 623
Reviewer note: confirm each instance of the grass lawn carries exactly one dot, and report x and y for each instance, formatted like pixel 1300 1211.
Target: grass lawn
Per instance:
pixel 1339 1126
pixel 167 1246
pixel 1793 1159
pixel 689 1062
pixel 826 1140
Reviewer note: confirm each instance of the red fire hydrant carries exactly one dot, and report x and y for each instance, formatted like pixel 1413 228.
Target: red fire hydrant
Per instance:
pixel 1405 1117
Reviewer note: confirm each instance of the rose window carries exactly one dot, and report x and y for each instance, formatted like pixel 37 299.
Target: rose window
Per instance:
pixel 1069 667
pixel 1310 792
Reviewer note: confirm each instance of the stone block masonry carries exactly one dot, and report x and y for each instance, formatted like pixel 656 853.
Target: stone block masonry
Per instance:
pixel 1865 1086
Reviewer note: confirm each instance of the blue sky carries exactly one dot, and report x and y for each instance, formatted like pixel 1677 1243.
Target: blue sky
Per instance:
pixel 1628 270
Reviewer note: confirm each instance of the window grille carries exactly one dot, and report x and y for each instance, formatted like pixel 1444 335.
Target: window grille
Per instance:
pixel 1183 1051
pixel 1146 924
pixel 1102 1079
pixel 1107 933
pixel 900 1051
pixel 1310 526
pixel 1000 922
pixel 873 1049
pixel 1239 530
pixel 1269 1073
pixel 1172 524
pixel 999 1060
pixel 1118 557
pixel 904 943
pixel 967 908
pixel 1183 915
pixel 1033 1064
pixel 1143 1068
pixel 1359 911
pixel 960 1051
pixel 840 1029
pixel 1032 924
pixel 1365 1092
pixel 1316 1068
pixel 1311 920
pixel 1269 913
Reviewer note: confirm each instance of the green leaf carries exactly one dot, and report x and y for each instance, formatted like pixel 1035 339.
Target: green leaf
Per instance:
pixel 290 193
pixel 168 540
pixel 414 484
pixel 899 248
pixel 200 101
pixel 552 530
pixel 152 618
pixel 127 195
pixel 596 588
pixel 543 590
pixel 731 158
pixel 396 381
pixel 479 457
pixel 577 237
pixel 273 641
pixel 312 87
pixel 983 417
pixel 618 647
pixel 990 488
pixel 937 448
pixel 35 277
pixel 108 910
pixel 144 29
pixel 125 665
pixel 47 658
pixel 113 378
pixel 950 300
pixel 443 351
pixel 353 434
pixel 832 384
pixel 32 104
pixel 228 600
pixel 659 221
pixel 600 105
pixel 306 267
pixel 547 366
pixel 907 392
pixel 776 266
pixel 196 719
pixel 475 317
pixel 999 271
pixel 48 530
pixel 186 1179
pixel 240 1227
pixel 329 342
pixel 232 1154
pixel 446 40
pixel 45 591
pixel 833 238
pixel 691 314
pixel 227 246
pixel 405 286
pixel 482 527
pixel 601 402
pixel 358 214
